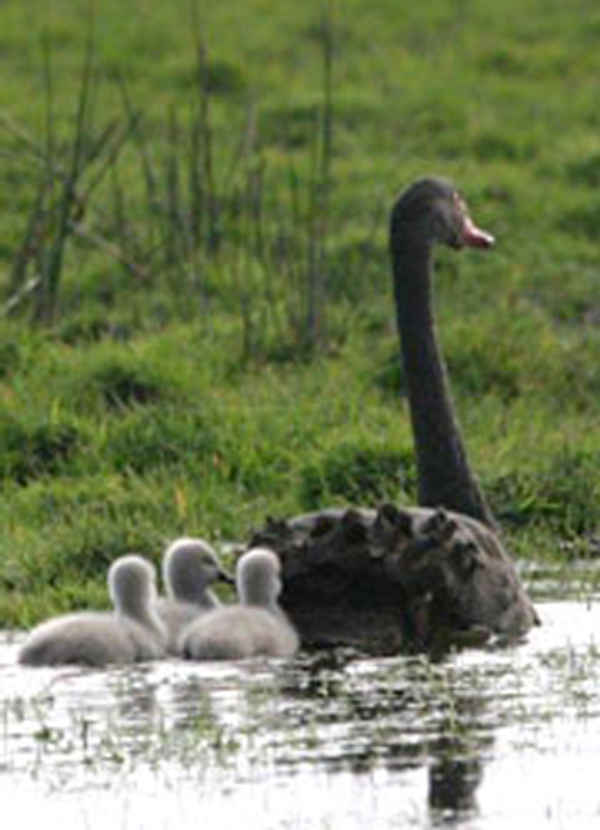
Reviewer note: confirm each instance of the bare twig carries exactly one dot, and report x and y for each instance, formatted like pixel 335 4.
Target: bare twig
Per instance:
pixel 46 305
pixel 31 240
pixel 116 252
pixel 26 289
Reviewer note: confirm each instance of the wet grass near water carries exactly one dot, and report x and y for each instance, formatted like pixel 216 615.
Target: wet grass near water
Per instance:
pixel 196 323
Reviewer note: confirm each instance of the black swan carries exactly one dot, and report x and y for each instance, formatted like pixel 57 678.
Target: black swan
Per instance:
pixel 409 578
pixel 257 626
pixel 132 632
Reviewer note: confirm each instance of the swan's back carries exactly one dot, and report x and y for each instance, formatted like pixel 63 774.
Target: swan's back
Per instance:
pixel 189 566
pixel 239 631
pixel 256 626
pixel 92 639
pixel 129 633
pixel 175 616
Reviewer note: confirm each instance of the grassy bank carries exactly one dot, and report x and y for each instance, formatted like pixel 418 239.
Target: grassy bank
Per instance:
pixel 197 328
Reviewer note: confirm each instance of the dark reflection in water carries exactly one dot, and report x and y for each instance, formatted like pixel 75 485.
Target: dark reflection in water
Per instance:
pixel 456 767
pixel 330 739
pixel 454 763
pixel 452 785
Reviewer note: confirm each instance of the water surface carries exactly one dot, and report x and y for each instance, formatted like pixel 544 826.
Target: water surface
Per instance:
pixel 498 738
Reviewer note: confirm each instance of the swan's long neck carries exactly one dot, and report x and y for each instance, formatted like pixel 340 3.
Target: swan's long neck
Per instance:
pixel 187 585
pixel 259 588
pixel 258 597
pixel 141 608
pixel 444 477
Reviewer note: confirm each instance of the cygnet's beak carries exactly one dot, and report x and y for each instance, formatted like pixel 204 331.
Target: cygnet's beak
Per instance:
pixel 223 576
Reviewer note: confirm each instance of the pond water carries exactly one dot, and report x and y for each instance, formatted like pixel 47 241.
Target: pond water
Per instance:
pixel 498 738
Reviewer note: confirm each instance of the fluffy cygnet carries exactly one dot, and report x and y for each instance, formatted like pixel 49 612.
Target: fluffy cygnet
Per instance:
pixel 131 632
pixel 256 626
pixel 189 566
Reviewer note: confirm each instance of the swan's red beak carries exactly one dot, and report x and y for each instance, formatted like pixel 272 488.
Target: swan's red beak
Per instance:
pixel 474 237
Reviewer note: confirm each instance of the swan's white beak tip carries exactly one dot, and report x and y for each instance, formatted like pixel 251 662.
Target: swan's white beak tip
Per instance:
pixel 474 237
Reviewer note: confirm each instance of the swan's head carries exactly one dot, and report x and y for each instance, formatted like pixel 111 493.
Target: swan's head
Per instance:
pixel 257 577
pixel 189 566
pixel 431 210
pixel 131 583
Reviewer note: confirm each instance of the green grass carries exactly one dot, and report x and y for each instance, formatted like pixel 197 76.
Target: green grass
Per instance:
pixel 179 385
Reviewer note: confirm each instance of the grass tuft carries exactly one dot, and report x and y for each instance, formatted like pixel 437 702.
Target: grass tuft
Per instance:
pixel 358 475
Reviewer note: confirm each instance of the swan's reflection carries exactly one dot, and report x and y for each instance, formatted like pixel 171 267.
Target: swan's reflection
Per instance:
pixel 453 782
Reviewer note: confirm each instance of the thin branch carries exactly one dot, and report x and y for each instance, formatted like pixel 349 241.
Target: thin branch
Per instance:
pixel 116 252
pixel 26 289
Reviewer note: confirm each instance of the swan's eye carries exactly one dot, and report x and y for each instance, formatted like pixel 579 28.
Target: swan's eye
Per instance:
pixel 445 223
